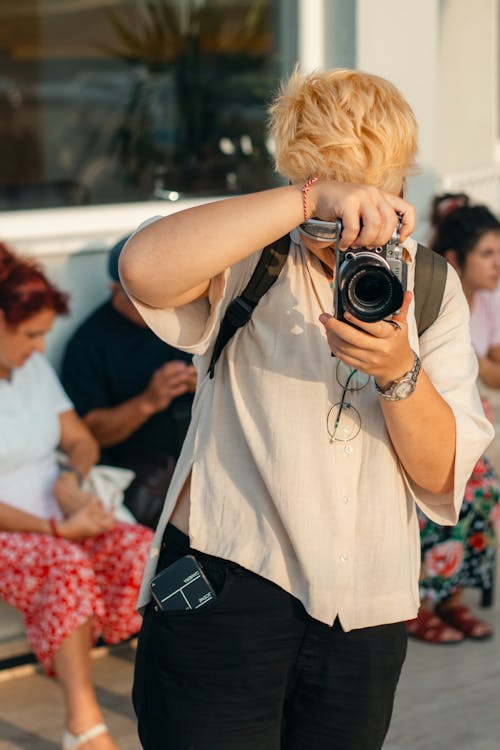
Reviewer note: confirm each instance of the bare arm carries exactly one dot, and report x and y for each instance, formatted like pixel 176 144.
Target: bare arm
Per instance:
pixel 12 519
pixel 77 442
pixel 423 432
pixel 170 262
pixel 82 452
pixel 421 427
pixel 89 521
pixel 112 425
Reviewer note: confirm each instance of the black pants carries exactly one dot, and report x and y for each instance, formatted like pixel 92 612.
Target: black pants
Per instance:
pixel 254 671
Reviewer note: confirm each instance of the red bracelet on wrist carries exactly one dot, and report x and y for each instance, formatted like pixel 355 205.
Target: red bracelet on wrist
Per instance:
pixel 53 528
pixel 305 190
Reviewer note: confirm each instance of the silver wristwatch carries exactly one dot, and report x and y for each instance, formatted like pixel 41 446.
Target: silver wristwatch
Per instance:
pixel 403 386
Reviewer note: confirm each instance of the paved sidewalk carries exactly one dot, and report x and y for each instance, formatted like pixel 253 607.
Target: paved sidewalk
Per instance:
pixel 31 716
pixel 449 696
pixel 448 699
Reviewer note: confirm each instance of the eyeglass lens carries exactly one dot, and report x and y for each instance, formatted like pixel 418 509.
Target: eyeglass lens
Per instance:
pixel 350 378
pixel 343 421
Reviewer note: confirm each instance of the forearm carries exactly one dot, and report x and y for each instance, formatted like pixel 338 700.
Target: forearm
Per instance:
pixel 171 261
pixel 113 425
pixel 83 454
pixel 423 432
pixel 12 519
pixel 179 253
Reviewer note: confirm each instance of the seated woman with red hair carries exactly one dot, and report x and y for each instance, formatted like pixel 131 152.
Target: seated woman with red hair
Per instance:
pixel 65 563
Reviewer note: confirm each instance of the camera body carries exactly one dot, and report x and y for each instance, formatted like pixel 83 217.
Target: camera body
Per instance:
pixel 369 283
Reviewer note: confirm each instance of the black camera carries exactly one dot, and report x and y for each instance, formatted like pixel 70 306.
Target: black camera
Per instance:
pixel 369 283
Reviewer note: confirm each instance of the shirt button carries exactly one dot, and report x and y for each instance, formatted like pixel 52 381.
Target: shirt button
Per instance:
pixel 347 499
pixel 348 449
pixel 343 557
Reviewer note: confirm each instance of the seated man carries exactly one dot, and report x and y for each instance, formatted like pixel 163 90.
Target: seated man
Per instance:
pixel 133 391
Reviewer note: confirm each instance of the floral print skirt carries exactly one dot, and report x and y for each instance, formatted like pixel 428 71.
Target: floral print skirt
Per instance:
pixel 463 556
pixel 57 585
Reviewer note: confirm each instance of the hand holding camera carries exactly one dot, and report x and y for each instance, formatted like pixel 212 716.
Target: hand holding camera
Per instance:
pixel 379 348
pixel 369 282
pixel 369 215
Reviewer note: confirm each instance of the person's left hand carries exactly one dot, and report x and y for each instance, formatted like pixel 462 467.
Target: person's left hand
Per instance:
pixel 380 349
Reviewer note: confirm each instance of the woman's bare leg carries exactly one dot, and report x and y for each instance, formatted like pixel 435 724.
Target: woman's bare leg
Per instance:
pixel 73 670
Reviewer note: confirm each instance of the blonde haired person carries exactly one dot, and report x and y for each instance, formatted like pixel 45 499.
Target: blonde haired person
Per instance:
pixel 310 541
pixel 371 138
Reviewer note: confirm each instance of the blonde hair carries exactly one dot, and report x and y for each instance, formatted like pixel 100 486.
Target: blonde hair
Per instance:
pixel 344 125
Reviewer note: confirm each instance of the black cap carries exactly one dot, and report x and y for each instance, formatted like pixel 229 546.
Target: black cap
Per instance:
pixel 114 255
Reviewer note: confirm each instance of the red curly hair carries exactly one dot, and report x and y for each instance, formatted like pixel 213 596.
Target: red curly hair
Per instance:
pixel 25 290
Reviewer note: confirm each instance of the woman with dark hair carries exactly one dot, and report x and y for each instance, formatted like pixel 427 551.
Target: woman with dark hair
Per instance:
pixel 454 559
pixel 65 564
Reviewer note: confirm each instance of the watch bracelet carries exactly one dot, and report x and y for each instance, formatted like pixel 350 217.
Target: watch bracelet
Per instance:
pixel 410 376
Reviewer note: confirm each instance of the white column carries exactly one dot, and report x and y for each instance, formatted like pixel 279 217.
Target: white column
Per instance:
pixel 398 39
pixel 311 31
pixel 468 95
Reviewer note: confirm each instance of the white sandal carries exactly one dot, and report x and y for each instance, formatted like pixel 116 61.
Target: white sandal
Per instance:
pixel 73 741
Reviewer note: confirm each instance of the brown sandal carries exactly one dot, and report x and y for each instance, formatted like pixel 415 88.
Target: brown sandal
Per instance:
pixel 461 618
pixel 429 627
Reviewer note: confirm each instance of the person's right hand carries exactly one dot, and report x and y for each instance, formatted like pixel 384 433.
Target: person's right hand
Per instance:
pixel 89 521
pixel 354 204
pixel 169 381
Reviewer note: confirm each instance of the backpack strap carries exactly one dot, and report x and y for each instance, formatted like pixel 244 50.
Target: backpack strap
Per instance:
pixel 239 312
pixel 430 279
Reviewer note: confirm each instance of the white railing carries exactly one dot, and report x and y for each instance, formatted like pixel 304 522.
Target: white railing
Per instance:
pixel 482 185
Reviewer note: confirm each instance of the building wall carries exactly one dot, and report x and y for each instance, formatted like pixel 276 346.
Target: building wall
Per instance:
pixel 467 66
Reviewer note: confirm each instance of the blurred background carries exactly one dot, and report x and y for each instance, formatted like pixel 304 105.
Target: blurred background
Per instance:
pixel 114 110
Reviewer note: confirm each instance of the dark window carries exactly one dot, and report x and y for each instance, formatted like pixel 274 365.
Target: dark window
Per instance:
pixel 106 101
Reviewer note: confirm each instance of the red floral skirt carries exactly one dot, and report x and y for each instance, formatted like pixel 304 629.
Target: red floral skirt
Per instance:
pixel 463 556
pixel 57 585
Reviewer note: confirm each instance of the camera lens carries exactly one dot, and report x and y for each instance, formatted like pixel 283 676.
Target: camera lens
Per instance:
pixel 370 291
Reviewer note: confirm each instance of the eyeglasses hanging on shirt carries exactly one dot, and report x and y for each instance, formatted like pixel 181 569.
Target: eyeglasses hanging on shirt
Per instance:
pixel 343 421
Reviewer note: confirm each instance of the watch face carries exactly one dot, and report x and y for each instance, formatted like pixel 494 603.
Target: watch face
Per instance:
pixel 404 389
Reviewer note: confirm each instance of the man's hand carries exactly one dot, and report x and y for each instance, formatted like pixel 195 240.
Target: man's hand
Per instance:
pixel 380 349
pixel 169 381
pixel 89 521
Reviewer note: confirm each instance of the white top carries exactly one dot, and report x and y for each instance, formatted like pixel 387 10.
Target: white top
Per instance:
pixel 334 524
pixel 30 404
pixel 485 321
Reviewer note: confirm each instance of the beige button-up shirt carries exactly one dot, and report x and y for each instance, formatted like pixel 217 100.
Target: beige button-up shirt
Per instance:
pixel 332 523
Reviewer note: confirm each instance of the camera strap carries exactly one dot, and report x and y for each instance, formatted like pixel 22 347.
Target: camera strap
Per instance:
pixel 430 280
pixel 239 312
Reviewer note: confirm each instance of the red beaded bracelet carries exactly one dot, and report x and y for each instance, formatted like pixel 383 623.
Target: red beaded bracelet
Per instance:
pixel 53 528
pixel 305 190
